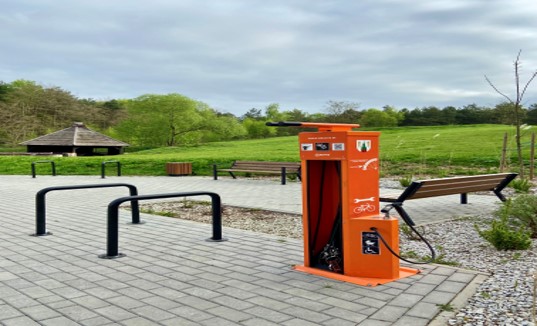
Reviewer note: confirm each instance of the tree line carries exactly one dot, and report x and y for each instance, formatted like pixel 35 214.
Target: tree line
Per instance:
pixel 29 110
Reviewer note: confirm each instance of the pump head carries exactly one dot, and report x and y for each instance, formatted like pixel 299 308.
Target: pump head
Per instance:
pixel 319 126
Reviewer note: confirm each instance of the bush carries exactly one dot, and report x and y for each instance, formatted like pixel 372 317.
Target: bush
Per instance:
pixel 405 181
pixel 504 236
pixel 522 212
pixel 521 186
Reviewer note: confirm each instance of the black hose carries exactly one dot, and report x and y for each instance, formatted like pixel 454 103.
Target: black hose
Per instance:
pixel 433 253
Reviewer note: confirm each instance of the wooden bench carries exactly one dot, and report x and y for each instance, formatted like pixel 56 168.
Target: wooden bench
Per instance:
pixel 281 168
pixel 448 186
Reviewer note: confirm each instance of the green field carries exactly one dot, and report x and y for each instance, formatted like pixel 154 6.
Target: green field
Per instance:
pixel 442 150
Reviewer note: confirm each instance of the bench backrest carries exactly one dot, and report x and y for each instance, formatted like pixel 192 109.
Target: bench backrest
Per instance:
pixel 457 185
pixel 266 166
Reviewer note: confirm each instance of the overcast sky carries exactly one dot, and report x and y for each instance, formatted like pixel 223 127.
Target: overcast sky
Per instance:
pixel 239 54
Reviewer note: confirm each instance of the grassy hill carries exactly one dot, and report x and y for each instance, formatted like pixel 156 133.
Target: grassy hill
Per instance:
pixel 441 150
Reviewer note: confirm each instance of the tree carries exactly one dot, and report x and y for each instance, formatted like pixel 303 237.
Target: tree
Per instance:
pixel 342 112
pixel 504 113
pixel 254 114
pixel 30 110
pixel 161 120
pixel 516 105
pixel 377 118
pixel 531 116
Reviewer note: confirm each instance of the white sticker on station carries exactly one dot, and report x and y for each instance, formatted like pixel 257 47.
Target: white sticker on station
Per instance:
pixel 338 146
pixel 306 147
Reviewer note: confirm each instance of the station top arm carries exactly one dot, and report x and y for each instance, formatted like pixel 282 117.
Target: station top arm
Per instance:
pixel 319 126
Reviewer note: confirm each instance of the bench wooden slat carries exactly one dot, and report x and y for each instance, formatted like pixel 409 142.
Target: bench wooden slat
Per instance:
pixel 261 167
pixel 447 191
pixel 449 186
pixel 496 177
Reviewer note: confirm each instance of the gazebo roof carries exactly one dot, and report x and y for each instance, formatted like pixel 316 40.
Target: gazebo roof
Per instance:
pixel 76 135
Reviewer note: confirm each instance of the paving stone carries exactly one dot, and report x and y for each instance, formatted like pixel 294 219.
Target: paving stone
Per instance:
pixel 259 322
pixel 433 279
pixel 305 314
pixel 20 321
pixel 449 286
pixel 424 310
pixel 232 303
pixel 40 312
pixel 8 312
pixel 59 321
pixel 345 314
pixel 268 314
pixel 77 313
pixel 153 313
pixel 338 322
pixel 311 304
pixel 389 313
pixel 114 313
pixel 229 314
pixel 190 313
pixel 298 322
pixel 7 276
pixel 374 322
pixel 96 321
pixel 218 321
pixel 444 271
pixel 462 277
pixel 125 302
pixel 439 297
pixel 406 300
pixel 179 321
pixel 371 302
pixel 411 321
pixel 20 301
pixel 421 289
pixel 138 321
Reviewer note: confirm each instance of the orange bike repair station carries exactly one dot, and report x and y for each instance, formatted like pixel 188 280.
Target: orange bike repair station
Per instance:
pixel 340 204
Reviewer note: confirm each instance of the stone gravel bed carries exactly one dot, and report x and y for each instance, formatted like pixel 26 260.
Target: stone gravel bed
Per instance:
pixel 507 297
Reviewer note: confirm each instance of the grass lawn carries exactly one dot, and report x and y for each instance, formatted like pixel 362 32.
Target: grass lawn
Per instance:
pixel 442 150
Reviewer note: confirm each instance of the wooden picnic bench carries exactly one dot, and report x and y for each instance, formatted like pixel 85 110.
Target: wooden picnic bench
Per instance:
pixel 281 168
pixel 448 186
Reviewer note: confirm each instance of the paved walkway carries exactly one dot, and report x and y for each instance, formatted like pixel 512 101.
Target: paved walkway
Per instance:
pixel 172 276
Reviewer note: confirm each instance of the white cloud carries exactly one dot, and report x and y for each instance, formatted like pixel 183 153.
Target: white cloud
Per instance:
pixel 239 54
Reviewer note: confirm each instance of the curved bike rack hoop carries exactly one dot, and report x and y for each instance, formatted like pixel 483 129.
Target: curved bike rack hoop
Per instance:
pixel 112 251
pixel 52 164
pixel 40 205
pixel 103 168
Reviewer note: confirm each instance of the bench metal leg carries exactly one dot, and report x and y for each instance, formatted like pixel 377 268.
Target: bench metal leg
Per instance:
pixel 464 198
pixel 231 173
pixel 215 172
pixel 404 215
pixel 284 175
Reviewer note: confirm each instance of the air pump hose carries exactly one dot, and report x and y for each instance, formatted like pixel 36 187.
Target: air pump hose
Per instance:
pixel 433 253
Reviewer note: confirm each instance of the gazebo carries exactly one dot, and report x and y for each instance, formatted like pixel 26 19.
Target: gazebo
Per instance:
pixel 77 140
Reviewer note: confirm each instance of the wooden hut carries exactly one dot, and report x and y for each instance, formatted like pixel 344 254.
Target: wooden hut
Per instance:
pixel 77 140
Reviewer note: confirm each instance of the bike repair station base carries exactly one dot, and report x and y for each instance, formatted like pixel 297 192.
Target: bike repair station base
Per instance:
pixel 345 236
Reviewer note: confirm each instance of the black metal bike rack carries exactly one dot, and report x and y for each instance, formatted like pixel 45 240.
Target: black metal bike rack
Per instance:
pixel 40 206
pixel 53 167
pixel 103 168
pixel 112 250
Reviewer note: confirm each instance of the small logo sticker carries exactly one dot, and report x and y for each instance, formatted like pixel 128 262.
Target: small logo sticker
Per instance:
pixel 338 146
pixel 322 146
pixel 306 147
pixel 363 145
pixel 370 243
